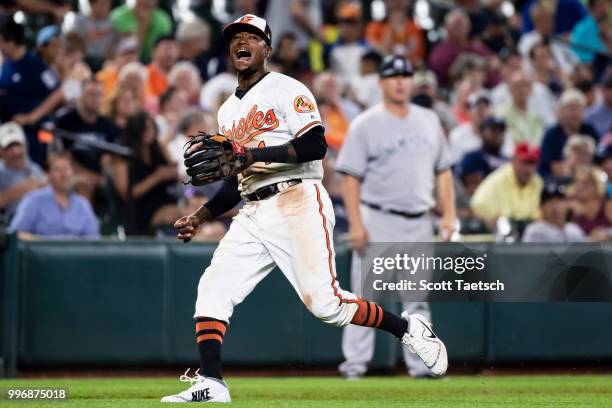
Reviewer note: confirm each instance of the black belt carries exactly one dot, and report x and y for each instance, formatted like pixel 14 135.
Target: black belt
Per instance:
pixel 268 191
pixel 395 212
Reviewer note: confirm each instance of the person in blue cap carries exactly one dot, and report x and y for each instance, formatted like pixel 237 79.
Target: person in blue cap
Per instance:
pixel 29 89
pixel 49 42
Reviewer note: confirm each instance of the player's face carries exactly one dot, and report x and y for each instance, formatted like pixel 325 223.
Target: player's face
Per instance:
pixel 248 52
pixel 396 89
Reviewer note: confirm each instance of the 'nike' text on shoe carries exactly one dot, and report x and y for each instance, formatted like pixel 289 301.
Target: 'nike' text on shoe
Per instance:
pixel 422 341
pixel 203 389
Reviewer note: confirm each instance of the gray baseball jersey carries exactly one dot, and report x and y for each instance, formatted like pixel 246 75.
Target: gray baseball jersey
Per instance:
pixel 396 158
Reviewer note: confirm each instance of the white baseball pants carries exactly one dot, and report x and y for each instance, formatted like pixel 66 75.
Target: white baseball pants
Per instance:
pixel 294 230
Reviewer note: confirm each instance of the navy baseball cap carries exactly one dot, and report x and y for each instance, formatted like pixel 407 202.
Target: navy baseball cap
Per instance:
pixel 493 123
pixel 394 65
pixel 552 190
pixel 250 23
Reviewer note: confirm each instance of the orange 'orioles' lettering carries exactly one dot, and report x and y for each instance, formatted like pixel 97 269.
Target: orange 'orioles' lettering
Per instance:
pixel 255 123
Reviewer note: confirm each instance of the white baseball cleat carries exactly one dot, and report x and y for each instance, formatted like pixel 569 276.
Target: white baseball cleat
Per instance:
pixel 422 341
pixel 203 389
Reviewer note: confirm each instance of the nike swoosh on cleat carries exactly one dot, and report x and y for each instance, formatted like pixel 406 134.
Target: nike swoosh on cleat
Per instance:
pixel 431 333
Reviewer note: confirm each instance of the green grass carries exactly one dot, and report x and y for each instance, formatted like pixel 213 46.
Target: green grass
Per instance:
pixel 454 391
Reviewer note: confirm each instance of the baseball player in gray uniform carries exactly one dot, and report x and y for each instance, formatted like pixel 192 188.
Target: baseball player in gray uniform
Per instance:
pixel 394 157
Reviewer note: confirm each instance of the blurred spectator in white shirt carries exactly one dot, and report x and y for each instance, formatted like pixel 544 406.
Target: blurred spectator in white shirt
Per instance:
pixel 193 38
pixel 364 88
pixel 553 226
pixel 300 17
pixel 545 70
pixel 216 90
pixel 96 29
pixel 425 93
pixel 466 137
pixel 543 16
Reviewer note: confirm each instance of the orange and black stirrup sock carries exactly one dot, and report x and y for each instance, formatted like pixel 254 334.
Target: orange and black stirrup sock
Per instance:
pixel 369 314
pixel 209 336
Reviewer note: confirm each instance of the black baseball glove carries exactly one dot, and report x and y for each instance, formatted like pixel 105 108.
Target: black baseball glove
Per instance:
pixel 210 158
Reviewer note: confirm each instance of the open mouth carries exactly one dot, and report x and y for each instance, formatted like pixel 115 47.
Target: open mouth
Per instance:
pixel 243 54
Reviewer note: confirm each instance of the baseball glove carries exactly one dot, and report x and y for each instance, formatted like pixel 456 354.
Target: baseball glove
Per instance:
pixel 209 158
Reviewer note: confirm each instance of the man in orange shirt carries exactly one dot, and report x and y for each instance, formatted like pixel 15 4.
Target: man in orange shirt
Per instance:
pixel 165 54
pixel 398 33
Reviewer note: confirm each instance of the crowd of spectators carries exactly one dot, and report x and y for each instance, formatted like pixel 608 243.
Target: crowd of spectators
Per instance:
pixel 523 91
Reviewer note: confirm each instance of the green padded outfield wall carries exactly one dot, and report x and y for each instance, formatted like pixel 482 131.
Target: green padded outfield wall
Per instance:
pixel 127 303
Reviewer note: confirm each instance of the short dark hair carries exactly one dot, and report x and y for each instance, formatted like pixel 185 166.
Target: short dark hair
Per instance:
pixel 287 35
pixel 585 85
pixel 543 43
pixel 165 97
pixel 132 137
pixel 13 32
pixel 373 57
pixel 159 40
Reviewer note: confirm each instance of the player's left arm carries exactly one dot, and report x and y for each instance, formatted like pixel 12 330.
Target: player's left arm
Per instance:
pixel 308 147
pixel 444 185
pixel 446 198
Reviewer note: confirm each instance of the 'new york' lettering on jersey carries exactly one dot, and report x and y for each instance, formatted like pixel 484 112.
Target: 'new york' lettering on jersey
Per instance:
pixel 275 110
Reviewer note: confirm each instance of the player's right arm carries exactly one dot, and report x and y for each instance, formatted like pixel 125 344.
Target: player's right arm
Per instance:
pixel 352 163
pixel 226 198
pixel 358 235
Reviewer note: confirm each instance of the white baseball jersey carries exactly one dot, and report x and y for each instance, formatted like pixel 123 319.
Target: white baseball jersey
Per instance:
pixel 272 112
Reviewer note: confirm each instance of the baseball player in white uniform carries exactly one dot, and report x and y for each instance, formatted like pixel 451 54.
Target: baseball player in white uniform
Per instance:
pixel 287 220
